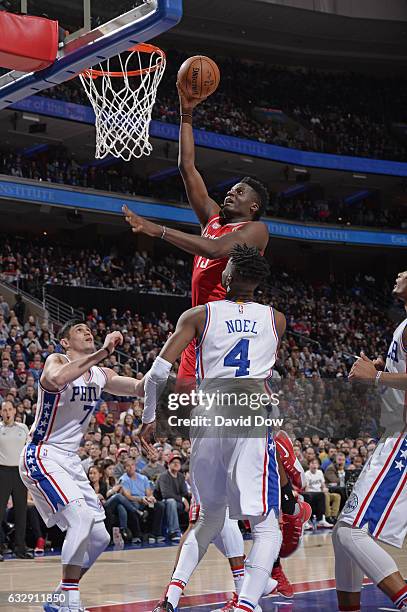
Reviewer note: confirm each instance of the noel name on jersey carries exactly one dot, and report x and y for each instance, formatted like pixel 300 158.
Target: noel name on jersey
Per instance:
pixel 241 325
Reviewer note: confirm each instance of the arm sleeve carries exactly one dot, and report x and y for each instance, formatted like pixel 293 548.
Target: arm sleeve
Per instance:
pixel 154 384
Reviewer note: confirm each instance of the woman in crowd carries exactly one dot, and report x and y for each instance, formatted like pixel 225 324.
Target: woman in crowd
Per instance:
pixel 95 476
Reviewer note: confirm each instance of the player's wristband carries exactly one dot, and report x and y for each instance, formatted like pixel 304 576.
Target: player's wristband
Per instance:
pixel 107 351
pixel 186 115
pixel 378 375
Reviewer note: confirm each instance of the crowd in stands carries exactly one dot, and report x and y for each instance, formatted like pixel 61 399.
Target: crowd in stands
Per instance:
pixel 341 319
pixel 342 113
pixel 59 167
pixel 331 469
pixel 31 263
pixel 336 211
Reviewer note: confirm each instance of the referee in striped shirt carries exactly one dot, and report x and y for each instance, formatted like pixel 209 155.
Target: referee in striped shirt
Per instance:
pixel 13 437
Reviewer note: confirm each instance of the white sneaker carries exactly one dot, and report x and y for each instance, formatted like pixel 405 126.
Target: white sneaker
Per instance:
pixel 308 526
pixel 65 609
pixel 323 524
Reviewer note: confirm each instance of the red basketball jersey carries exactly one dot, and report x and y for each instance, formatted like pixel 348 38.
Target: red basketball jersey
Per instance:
pixel 207 273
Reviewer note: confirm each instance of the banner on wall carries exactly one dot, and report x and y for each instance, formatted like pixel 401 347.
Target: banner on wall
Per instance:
pixel 30 191
pixel 169 131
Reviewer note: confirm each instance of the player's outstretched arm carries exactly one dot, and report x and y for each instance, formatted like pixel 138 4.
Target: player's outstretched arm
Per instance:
pixel 58 371
pixel 123 385
pixel 203 205
pixel 190 325
pixel 364 370
pixel 254 233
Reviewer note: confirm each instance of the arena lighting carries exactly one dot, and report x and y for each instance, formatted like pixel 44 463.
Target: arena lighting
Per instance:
pixel 359 176
pixel 247 160
pixel 34 118
pixel 301 170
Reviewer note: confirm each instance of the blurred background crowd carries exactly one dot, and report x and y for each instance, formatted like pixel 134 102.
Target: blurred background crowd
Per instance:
pixel 344 113
pixel 59 166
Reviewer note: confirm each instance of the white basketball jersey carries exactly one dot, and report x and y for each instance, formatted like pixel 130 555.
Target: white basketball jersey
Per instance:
pixel 239 341
pixel 62 418
pixel 394 413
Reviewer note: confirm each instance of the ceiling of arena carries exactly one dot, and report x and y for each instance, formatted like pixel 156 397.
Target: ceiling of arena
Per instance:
pixel 289 35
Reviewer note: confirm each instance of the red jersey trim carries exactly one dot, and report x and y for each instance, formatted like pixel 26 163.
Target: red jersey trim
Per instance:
pixel 205 329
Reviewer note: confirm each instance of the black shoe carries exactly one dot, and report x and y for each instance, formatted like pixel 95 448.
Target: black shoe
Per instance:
pixel 23 554
pixel 126 535
pixel 174 537
pixel 164 606
pixel 5 550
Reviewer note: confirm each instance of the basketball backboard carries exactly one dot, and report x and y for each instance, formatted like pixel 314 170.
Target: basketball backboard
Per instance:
pixel 76 16
pixel 97 30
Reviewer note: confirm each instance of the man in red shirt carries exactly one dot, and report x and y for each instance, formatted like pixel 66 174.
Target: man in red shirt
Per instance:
pixel 101 414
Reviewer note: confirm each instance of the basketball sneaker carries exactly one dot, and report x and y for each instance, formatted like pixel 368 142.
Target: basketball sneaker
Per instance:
pixel 284 586
pixel 323 524
pixel 292 526
pixel 71 610
pixel 290 462
pixel 56 608
pixel 39 547
pixel 229 605
pixel 164 606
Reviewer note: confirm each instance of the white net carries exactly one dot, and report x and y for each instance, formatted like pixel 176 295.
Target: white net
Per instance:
pixel 123 99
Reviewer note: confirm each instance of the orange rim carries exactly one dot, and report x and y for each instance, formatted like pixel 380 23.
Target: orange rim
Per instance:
pixel 142 48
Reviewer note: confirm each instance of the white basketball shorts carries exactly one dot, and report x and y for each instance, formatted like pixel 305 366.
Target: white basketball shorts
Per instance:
pixel 379 497
pixel 55 478
pixel 240 472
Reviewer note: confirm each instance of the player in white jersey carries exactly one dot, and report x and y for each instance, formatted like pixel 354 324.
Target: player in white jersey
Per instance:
pixel 69 390
pixel 237 341
pixel 377 506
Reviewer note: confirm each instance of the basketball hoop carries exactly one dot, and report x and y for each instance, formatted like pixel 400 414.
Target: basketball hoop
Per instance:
pixel 123 108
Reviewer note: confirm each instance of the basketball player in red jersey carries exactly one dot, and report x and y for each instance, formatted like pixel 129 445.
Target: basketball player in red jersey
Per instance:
pixel 235 221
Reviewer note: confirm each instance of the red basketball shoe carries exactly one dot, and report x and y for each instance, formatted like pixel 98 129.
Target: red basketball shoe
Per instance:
pixel 229 605
pixel 292 528
pixel 290 462
pixel 284 586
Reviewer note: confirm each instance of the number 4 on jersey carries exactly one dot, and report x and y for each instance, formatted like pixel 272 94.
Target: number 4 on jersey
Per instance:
pixel 238 358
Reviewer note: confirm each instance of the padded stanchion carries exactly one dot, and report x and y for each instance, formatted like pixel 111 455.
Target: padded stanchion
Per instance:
pixel 27 43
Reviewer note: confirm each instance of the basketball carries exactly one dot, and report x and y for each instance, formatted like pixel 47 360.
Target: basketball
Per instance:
pixel 199 76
